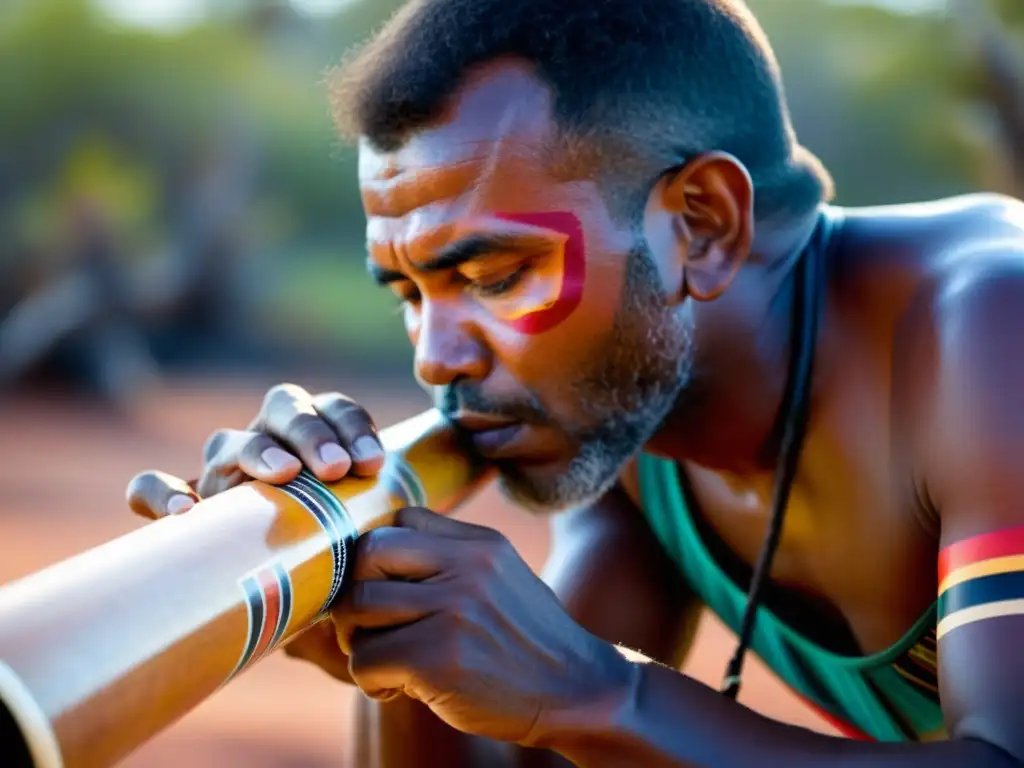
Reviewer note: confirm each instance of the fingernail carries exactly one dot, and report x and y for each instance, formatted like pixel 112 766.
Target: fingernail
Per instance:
pixel 367 448
pixel 332 453
pixel 180 503
pixel 278 460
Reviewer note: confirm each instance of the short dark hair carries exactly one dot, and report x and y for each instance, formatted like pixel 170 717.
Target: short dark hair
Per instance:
pixel 661 80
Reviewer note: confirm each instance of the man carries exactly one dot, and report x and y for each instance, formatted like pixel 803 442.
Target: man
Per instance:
pixel 622 279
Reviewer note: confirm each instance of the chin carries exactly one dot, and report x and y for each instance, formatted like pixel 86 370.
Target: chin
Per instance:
pixel 546 489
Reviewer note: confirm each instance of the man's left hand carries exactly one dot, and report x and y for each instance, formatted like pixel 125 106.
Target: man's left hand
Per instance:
pixel 447 613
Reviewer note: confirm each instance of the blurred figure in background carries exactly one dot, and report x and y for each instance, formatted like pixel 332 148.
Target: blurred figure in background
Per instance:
pixel 81 324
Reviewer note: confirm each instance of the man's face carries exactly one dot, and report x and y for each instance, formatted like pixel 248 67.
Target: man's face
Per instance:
pixel 539 324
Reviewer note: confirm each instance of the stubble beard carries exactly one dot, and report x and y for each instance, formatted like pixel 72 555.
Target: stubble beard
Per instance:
pixel 624 398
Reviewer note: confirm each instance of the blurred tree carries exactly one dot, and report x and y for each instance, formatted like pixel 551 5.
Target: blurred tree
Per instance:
pixel 898 106
pixel 1000 58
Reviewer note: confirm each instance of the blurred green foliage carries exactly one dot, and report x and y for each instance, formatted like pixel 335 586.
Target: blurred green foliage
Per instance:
pixel 892 103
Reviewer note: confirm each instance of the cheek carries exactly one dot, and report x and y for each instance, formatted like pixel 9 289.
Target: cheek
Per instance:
pixel 553 291
pixel 548 361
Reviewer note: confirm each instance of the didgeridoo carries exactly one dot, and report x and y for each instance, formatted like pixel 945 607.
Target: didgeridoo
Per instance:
pixel 100 652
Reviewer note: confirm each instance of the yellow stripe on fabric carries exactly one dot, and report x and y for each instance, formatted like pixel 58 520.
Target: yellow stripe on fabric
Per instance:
pixel 984 568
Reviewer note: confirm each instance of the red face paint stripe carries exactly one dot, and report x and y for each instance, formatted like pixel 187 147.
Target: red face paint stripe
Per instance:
pixel 1009 541
pixel 573 270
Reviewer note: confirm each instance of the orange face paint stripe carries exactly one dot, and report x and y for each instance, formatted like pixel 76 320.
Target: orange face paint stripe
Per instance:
pixel 573 269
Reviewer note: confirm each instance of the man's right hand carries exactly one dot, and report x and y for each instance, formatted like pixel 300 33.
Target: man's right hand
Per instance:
pixel 329 434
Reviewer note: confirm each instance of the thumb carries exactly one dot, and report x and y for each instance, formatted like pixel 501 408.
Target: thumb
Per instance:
pixel 156 494
pixel 319 645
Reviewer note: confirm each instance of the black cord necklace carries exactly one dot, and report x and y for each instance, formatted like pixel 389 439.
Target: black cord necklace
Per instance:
pixel 807 301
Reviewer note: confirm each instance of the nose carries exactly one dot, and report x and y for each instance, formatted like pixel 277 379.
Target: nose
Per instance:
pixel 448 347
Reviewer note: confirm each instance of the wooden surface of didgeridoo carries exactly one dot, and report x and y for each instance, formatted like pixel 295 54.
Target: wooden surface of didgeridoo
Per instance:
pixel 100 652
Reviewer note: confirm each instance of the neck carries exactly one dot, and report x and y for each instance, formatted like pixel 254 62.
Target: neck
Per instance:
pixel 727 418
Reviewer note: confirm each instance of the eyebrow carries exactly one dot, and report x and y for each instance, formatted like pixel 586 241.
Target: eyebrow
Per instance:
pixel 461 251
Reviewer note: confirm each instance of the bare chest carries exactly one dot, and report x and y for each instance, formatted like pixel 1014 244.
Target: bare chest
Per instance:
pixel 855 568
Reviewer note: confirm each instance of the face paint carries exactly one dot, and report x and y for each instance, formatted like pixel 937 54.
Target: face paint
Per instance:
pixel 555 286
pixel 981 578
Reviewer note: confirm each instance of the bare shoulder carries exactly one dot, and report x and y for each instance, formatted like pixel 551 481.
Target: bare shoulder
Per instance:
pixel 907 267
pixel 957 362
pixel 975 215
pixel 921 240
pixel 971 278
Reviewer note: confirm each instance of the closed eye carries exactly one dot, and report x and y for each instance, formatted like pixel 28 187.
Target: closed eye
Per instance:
pixel 405 293
pixel 493 288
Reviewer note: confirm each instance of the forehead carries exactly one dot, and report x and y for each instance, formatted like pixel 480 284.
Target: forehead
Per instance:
pixel 498 127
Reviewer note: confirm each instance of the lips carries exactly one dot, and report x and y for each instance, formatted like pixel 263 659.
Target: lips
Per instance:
pixel 488 433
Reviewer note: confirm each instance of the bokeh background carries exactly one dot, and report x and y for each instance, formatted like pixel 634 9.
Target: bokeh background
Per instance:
pixel 180 229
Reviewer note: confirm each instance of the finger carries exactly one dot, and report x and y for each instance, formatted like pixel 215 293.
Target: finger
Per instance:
pixel 156 494
pixel 289 416
pixel 232 455
pixel 356 430
pixel 397 553
pixel 427 521
pixel 319 645
pixel 262 458
pixel 382 604
pixel 384 662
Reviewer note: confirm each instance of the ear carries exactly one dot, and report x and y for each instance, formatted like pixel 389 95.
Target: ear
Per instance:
pixel 710 201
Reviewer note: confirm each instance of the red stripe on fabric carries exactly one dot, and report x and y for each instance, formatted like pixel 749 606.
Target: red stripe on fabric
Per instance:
pixel 842 726
pixel 1009 541
pixel 272 610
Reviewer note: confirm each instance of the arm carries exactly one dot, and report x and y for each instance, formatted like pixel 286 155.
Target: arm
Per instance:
pixel 965 397
pixel 610 573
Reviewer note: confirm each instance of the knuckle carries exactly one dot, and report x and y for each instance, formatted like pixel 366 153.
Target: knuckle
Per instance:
pixel 282 394
pixel 500 548
pixel 407 517
pixel 215 444
pixel 463 606
pixel 307 429
pixel 140 490
pixel 368 544
pixel 375 545
pixel 280 400
pixel 497 538
pixel 336 405
pixel 487 554
pixel 152 485
pixel 149 491
pixel 255 443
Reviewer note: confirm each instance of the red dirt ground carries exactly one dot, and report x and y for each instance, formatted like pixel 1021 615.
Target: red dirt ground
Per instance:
pixel 62 476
